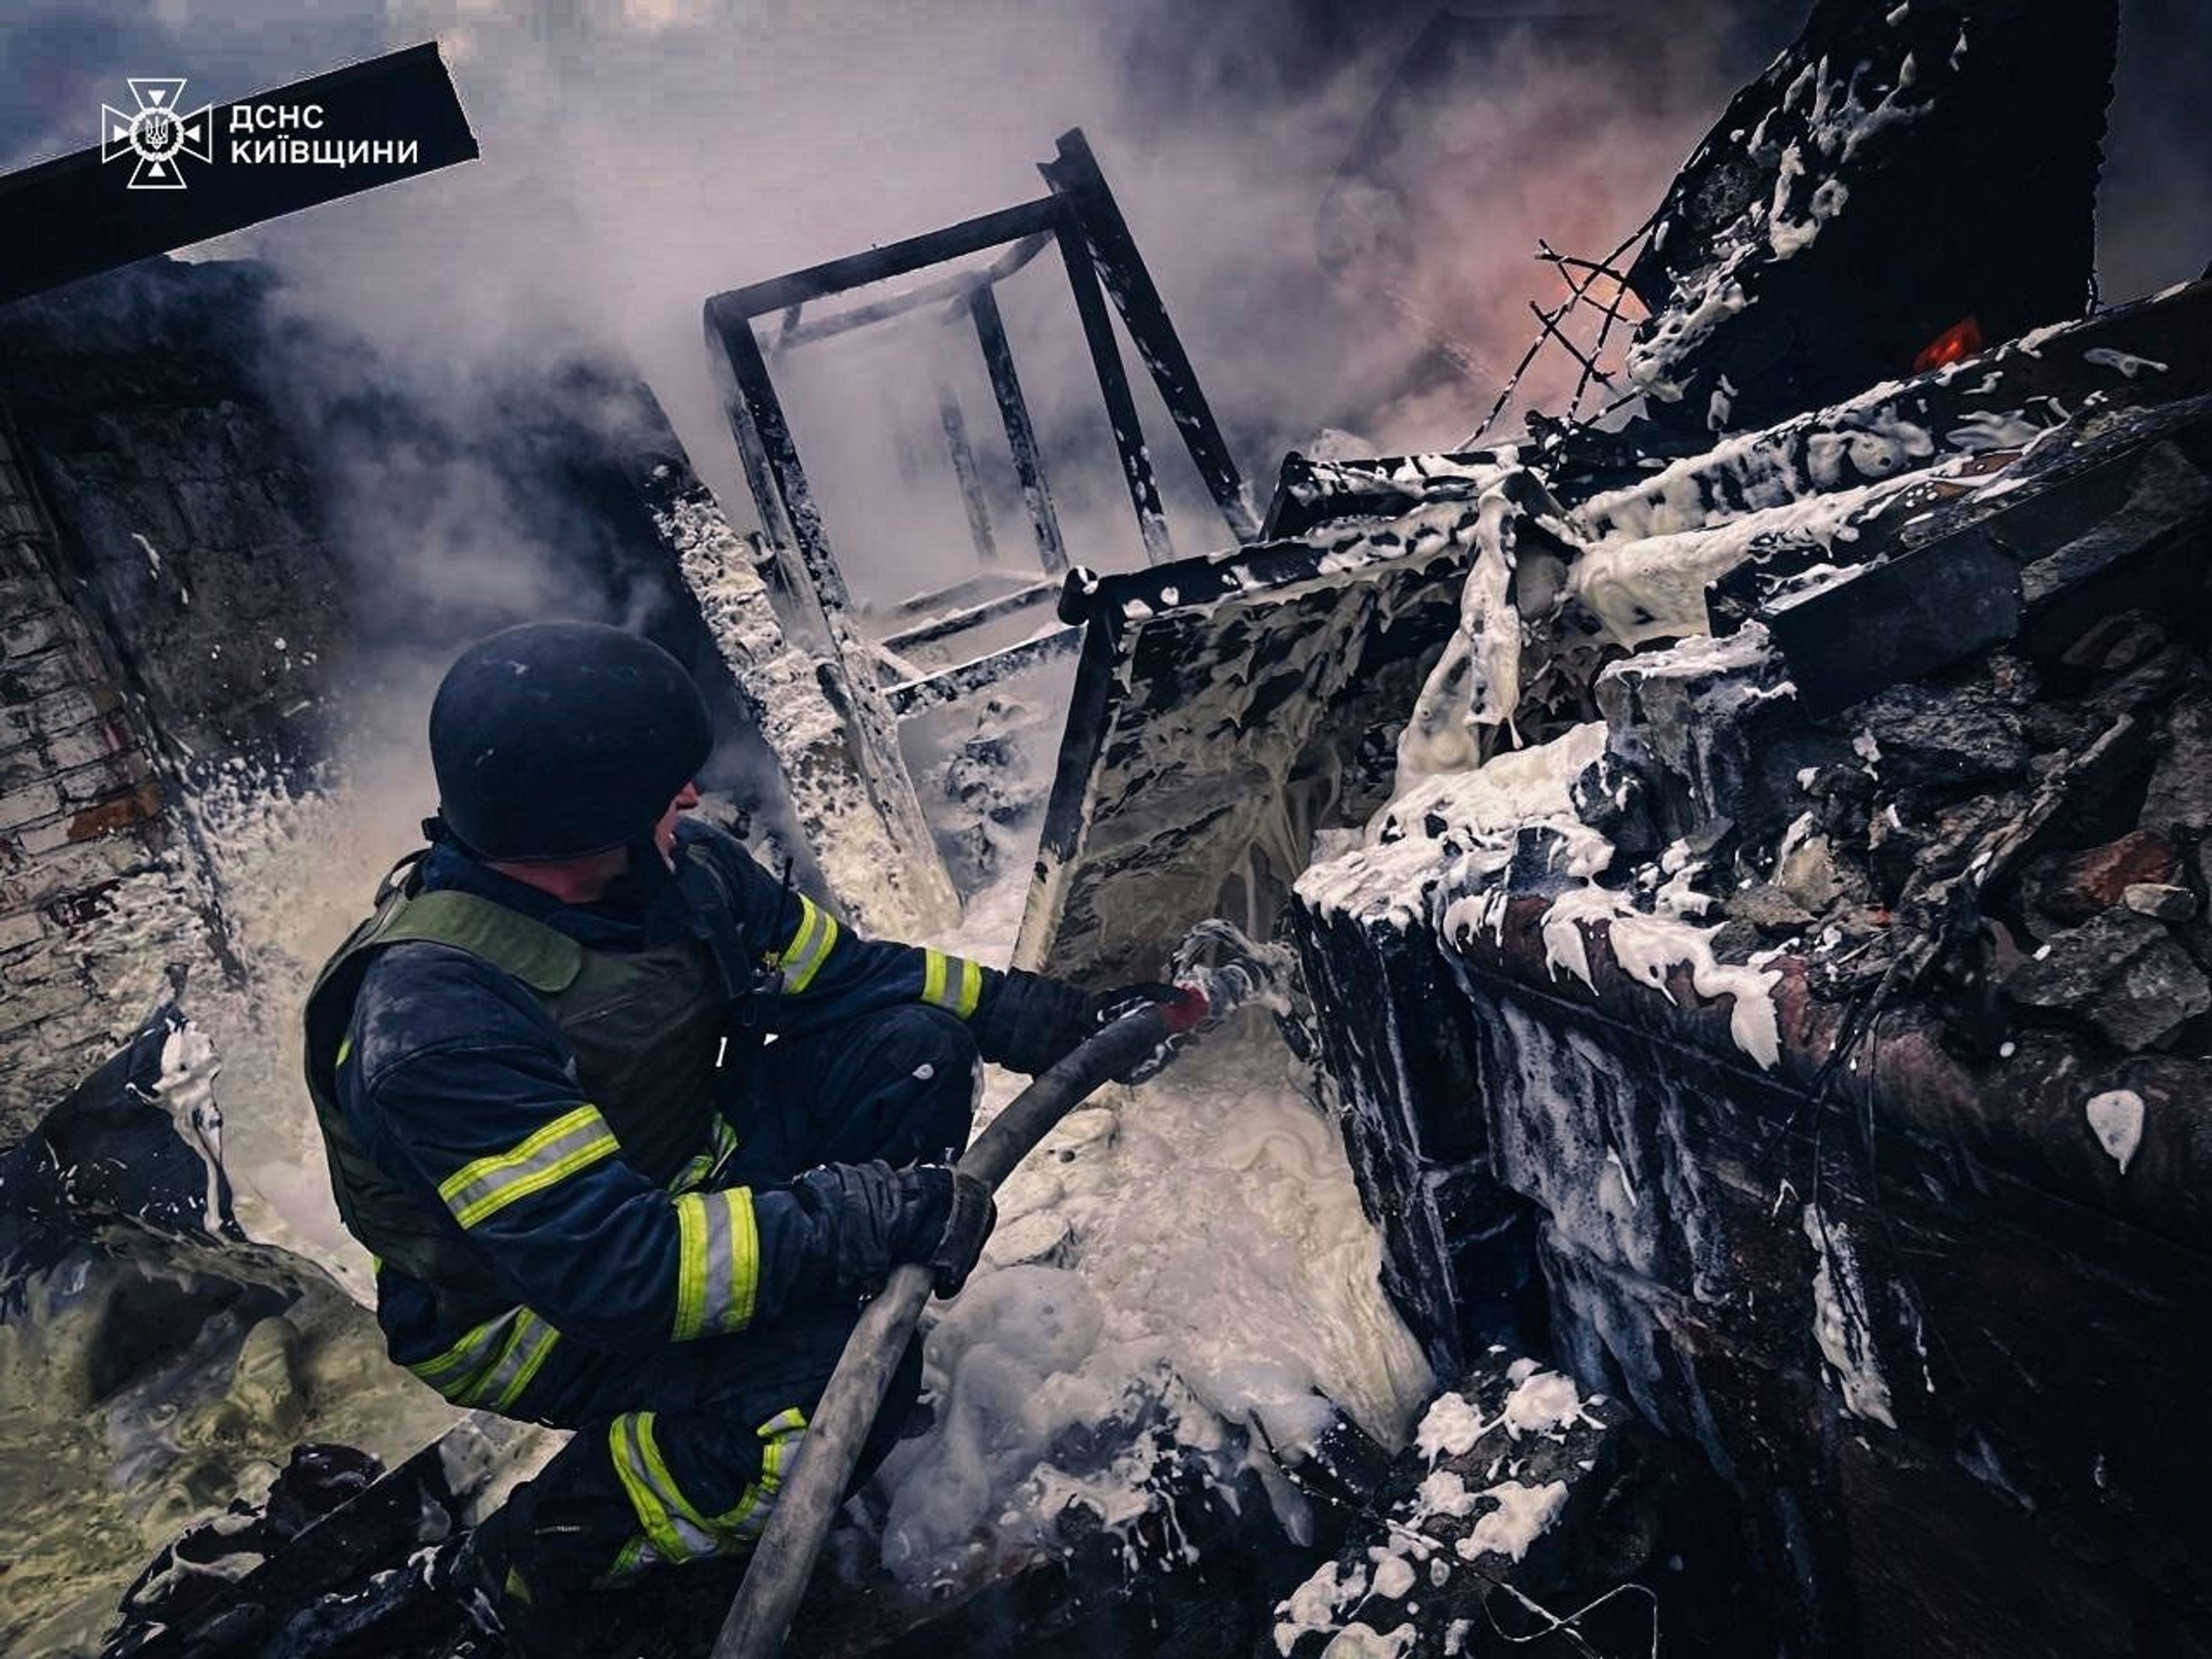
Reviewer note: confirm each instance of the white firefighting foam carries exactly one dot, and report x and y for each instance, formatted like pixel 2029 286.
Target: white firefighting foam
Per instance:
pixel 1201 1241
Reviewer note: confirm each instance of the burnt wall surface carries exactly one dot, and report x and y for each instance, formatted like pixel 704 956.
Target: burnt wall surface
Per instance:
pixel 85 859
pixel 203 502
pixel 1954 1404
pixel 1895 172
pixel 187 512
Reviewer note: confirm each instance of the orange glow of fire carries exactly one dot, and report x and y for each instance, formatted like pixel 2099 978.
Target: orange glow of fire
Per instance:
pixel 1962 339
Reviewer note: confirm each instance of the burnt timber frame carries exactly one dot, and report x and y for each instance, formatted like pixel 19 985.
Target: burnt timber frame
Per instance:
pixel 1079 216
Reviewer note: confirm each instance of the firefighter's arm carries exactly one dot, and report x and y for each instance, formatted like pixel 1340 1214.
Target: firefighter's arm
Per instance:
pixel 826 972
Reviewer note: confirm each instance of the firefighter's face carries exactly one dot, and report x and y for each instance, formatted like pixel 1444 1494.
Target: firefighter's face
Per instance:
pixel 664 833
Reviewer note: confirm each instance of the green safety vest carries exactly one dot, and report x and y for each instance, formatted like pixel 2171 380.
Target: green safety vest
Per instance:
pixel 646 1030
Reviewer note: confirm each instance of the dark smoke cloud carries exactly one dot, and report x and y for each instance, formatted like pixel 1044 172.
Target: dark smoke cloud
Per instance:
pixel 1343 242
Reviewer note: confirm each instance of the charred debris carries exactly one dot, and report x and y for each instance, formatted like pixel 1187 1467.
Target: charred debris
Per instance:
pixel 1745 840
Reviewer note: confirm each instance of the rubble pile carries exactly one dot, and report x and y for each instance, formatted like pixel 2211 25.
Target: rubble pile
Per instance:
pixel 1796 992
pixel 1764 965
pixel 1780 977
pixel 157 1367
pixel 1516 1490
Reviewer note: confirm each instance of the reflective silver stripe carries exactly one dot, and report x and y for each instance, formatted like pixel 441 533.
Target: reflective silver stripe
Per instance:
pixel 675 1528
pixel 493 1363
pixel 575 1141
pixel 454 1372
pixel 781 1435
pixel 953 983
pixel 810 947
pixel 717 1264
pixel 531 1340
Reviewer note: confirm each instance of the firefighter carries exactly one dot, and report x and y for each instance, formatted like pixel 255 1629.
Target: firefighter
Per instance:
pixel 629 1125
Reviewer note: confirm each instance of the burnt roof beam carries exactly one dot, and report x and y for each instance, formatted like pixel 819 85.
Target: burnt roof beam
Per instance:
pixel 880 265
pixel 982 309
pixel 1074 175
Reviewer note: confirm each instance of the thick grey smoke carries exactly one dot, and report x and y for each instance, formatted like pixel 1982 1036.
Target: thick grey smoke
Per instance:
pixel 1338 199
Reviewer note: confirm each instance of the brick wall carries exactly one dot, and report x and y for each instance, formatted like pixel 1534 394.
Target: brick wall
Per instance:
pixel 93 916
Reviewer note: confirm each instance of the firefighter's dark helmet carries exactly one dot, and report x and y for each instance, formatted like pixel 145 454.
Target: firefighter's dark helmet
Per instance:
pixel 552 740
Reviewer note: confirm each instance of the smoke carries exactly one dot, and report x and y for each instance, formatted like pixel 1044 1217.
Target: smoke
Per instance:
pixel 1338 200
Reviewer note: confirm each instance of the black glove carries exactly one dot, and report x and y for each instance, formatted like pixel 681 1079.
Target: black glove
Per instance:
pixel 1033 1023
pixel 882 1217
pixel 972 1214
pixel 862 1205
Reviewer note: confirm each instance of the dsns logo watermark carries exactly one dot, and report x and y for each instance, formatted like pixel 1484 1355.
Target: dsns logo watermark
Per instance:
pixel 158 135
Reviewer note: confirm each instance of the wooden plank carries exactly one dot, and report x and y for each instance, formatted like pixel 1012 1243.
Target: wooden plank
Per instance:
pixel 881 264
pixel 1021 433
pixel 1114 386
pixel 1114 250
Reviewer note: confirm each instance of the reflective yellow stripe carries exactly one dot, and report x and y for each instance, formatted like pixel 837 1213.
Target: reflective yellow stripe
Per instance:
pixel 675 1527
pixel 717 1263
pixel 469 1354
pixel 531 1340
pixel 491 1363
pixel 345 1047
pixel 810 946
pixel 632 1559
pixel 707 1166
pixel 951 983
pixel 575 1141
pixel 690 1265
pixel 749 1519
pixel 652 1514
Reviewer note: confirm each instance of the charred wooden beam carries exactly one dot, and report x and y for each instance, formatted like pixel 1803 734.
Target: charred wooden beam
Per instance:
pixel 1885 622
pixel 971 590
pixel 781 490
pixel 918 697
pixel 974 616
pixel 849 676
pixel 1021 434
pixel 796 333
pixel 880 265
pixel 1075 174
pixel 792 331
pixel 963 454
pixel 1114 386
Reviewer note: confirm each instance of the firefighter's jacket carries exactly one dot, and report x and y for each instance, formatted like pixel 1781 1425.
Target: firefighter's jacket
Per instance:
pixel 525 1104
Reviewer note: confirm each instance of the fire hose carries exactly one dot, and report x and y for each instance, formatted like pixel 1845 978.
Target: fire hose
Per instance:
pixel 783 1562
